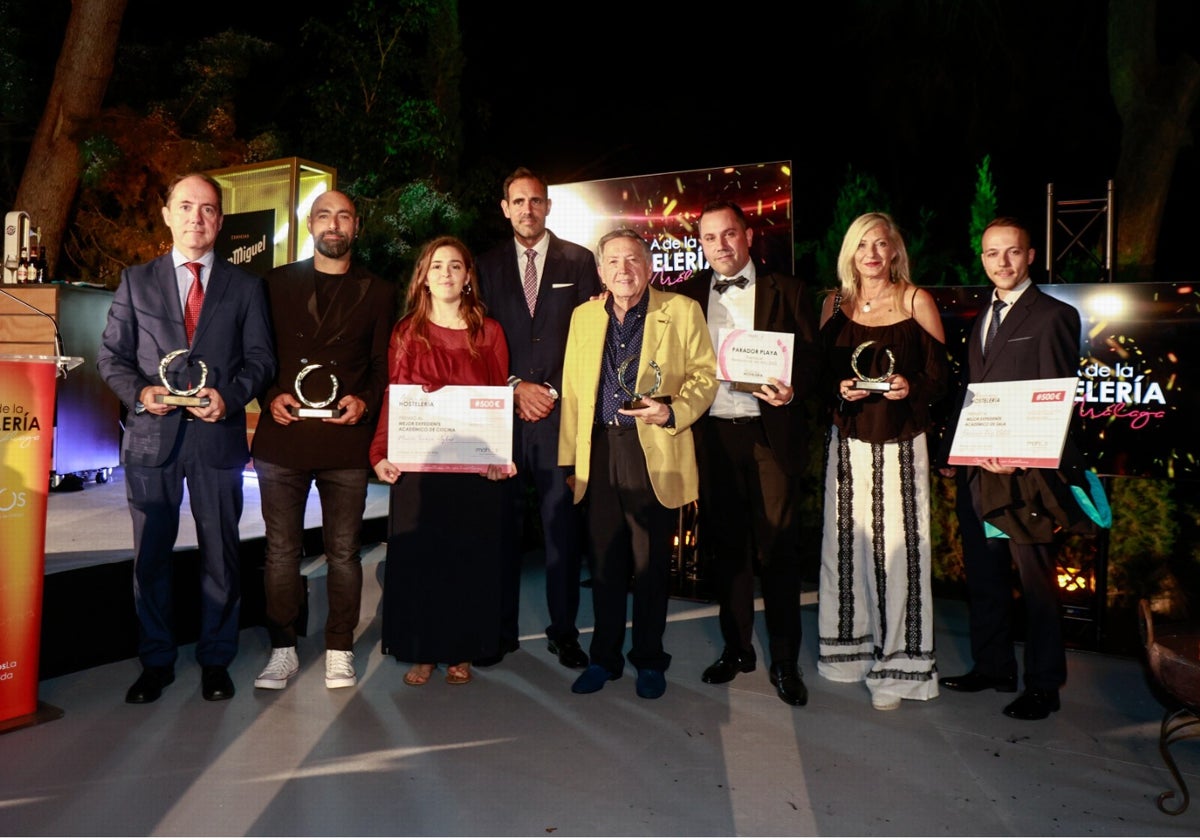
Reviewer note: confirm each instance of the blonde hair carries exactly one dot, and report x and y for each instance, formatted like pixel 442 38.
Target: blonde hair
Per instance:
pixel 848 277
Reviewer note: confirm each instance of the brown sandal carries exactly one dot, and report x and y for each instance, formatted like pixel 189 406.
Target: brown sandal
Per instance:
pixel 418 674
pixel 459 674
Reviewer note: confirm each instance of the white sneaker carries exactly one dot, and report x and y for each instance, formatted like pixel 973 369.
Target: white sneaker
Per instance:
pixel 281 667
pixel 339 669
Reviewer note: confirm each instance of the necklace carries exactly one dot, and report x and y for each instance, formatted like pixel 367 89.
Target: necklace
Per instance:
pixel 866 306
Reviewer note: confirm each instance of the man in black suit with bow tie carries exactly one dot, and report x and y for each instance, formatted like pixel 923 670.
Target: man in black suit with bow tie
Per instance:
pixel 531 284
pixel 750 449
pixel 1022 334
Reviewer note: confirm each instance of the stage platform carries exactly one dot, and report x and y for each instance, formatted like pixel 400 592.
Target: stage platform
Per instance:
pixel 516 754
pixel 87 615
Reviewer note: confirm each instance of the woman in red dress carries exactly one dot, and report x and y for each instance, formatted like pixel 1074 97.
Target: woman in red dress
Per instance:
pixel 442 574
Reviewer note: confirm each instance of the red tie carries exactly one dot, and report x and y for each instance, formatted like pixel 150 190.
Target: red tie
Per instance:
pixel 195 300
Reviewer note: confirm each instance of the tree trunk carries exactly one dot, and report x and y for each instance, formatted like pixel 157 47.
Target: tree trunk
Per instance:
pixel 81 77
pixel 1155 102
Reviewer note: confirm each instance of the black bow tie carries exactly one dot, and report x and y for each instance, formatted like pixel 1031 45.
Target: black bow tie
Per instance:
pixel 721 285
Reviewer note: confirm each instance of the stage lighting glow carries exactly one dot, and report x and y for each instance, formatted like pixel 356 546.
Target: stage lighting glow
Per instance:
pixel 1106 304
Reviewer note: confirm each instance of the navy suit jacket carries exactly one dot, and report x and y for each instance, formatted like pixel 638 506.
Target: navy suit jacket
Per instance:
pixel 781 304
pixel 1038 339
pixel 233 338
pixel 536 345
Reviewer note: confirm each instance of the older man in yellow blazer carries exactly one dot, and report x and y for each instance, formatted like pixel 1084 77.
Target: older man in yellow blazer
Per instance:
pixel 639 370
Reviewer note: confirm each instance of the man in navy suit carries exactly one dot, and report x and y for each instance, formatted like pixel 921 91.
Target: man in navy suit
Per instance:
pixel 1027 335
pixel 531 284
pixel 227 330
pixel 750 448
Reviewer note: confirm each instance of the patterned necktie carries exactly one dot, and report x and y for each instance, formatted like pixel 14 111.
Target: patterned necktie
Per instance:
pixel 195 300
pixel 721 285
pixel 531 284
pixel 993 325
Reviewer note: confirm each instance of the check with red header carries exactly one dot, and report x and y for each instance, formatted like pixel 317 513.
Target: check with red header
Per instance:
pixel 457 428
pixel 1023 424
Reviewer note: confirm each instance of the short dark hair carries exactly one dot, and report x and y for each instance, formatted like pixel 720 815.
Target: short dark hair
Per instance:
pixel 724 204
pixel 521 172
pixel 208 179
pixel 1008 221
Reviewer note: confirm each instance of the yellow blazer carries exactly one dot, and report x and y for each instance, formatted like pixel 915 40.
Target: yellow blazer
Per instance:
pixel 676 337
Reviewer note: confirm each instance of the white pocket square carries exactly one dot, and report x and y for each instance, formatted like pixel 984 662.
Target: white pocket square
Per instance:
pixel 562 285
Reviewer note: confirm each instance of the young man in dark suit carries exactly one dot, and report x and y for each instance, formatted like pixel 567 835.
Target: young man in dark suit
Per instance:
pixel 331 312
pixel 1022 334
pixel 216 314
pixel 531 284
pixel 750 448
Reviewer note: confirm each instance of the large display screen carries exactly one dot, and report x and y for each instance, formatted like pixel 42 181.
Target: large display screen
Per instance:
pixel 1138 371
pixel 1136 390
pixel 665 209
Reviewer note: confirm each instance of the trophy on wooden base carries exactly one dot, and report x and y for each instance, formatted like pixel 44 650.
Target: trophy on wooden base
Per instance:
pixel 629 386
pixel 871 383
pixel 181 396
pixel 314 408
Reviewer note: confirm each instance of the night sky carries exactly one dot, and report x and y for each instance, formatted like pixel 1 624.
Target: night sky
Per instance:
pixel 912 93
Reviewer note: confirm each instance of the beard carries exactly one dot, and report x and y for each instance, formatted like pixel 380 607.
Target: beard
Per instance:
pixel 334 247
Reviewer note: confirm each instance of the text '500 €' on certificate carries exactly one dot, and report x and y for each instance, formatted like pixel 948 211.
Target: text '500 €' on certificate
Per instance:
pixel 456 428
pixel 1023 423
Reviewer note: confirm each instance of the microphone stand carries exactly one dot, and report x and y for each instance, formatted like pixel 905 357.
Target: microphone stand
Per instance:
pixel 58 340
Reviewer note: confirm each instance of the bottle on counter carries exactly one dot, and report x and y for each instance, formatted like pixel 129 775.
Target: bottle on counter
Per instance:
pixel 38 265
pixel 23 266
pixel 31 271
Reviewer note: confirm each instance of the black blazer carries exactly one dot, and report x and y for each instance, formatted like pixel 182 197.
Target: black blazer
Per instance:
pixel 536 345
pixel 350 339
pixel 233 338
pixel 1038 339
pixel 781 304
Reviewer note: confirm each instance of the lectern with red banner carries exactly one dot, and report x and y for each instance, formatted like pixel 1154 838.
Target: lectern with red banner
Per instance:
pixel 27 392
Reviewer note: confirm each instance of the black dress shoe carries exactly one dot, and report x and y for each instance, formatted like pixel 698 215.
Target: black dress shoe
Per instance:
pixel 148 687
pixel 728 667
pixel 215 683
pixel 788 685
pixel 1034 704
pixel 569 653
pixel 975 681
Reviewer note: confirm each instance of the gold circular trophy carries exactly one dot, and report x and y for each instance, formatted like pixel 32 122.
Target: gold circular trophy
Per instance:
pixel 871 383
pixel 629 385
pixel 181 396
pixel 314 408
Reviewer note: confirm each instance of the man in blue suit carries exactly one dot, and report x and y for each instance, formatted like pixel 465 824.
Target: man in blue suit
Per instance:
pixel 531 284
pixel 187 300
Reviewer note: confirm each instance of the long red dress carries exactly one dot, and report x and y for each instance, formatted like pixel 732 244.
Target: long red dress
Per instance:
pixel 441 592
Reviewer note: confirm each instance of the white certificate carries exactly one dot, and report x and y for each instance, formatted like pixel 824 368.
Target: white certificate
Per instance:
pixel 751 357
pixel 1023 424
pixel 458 428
